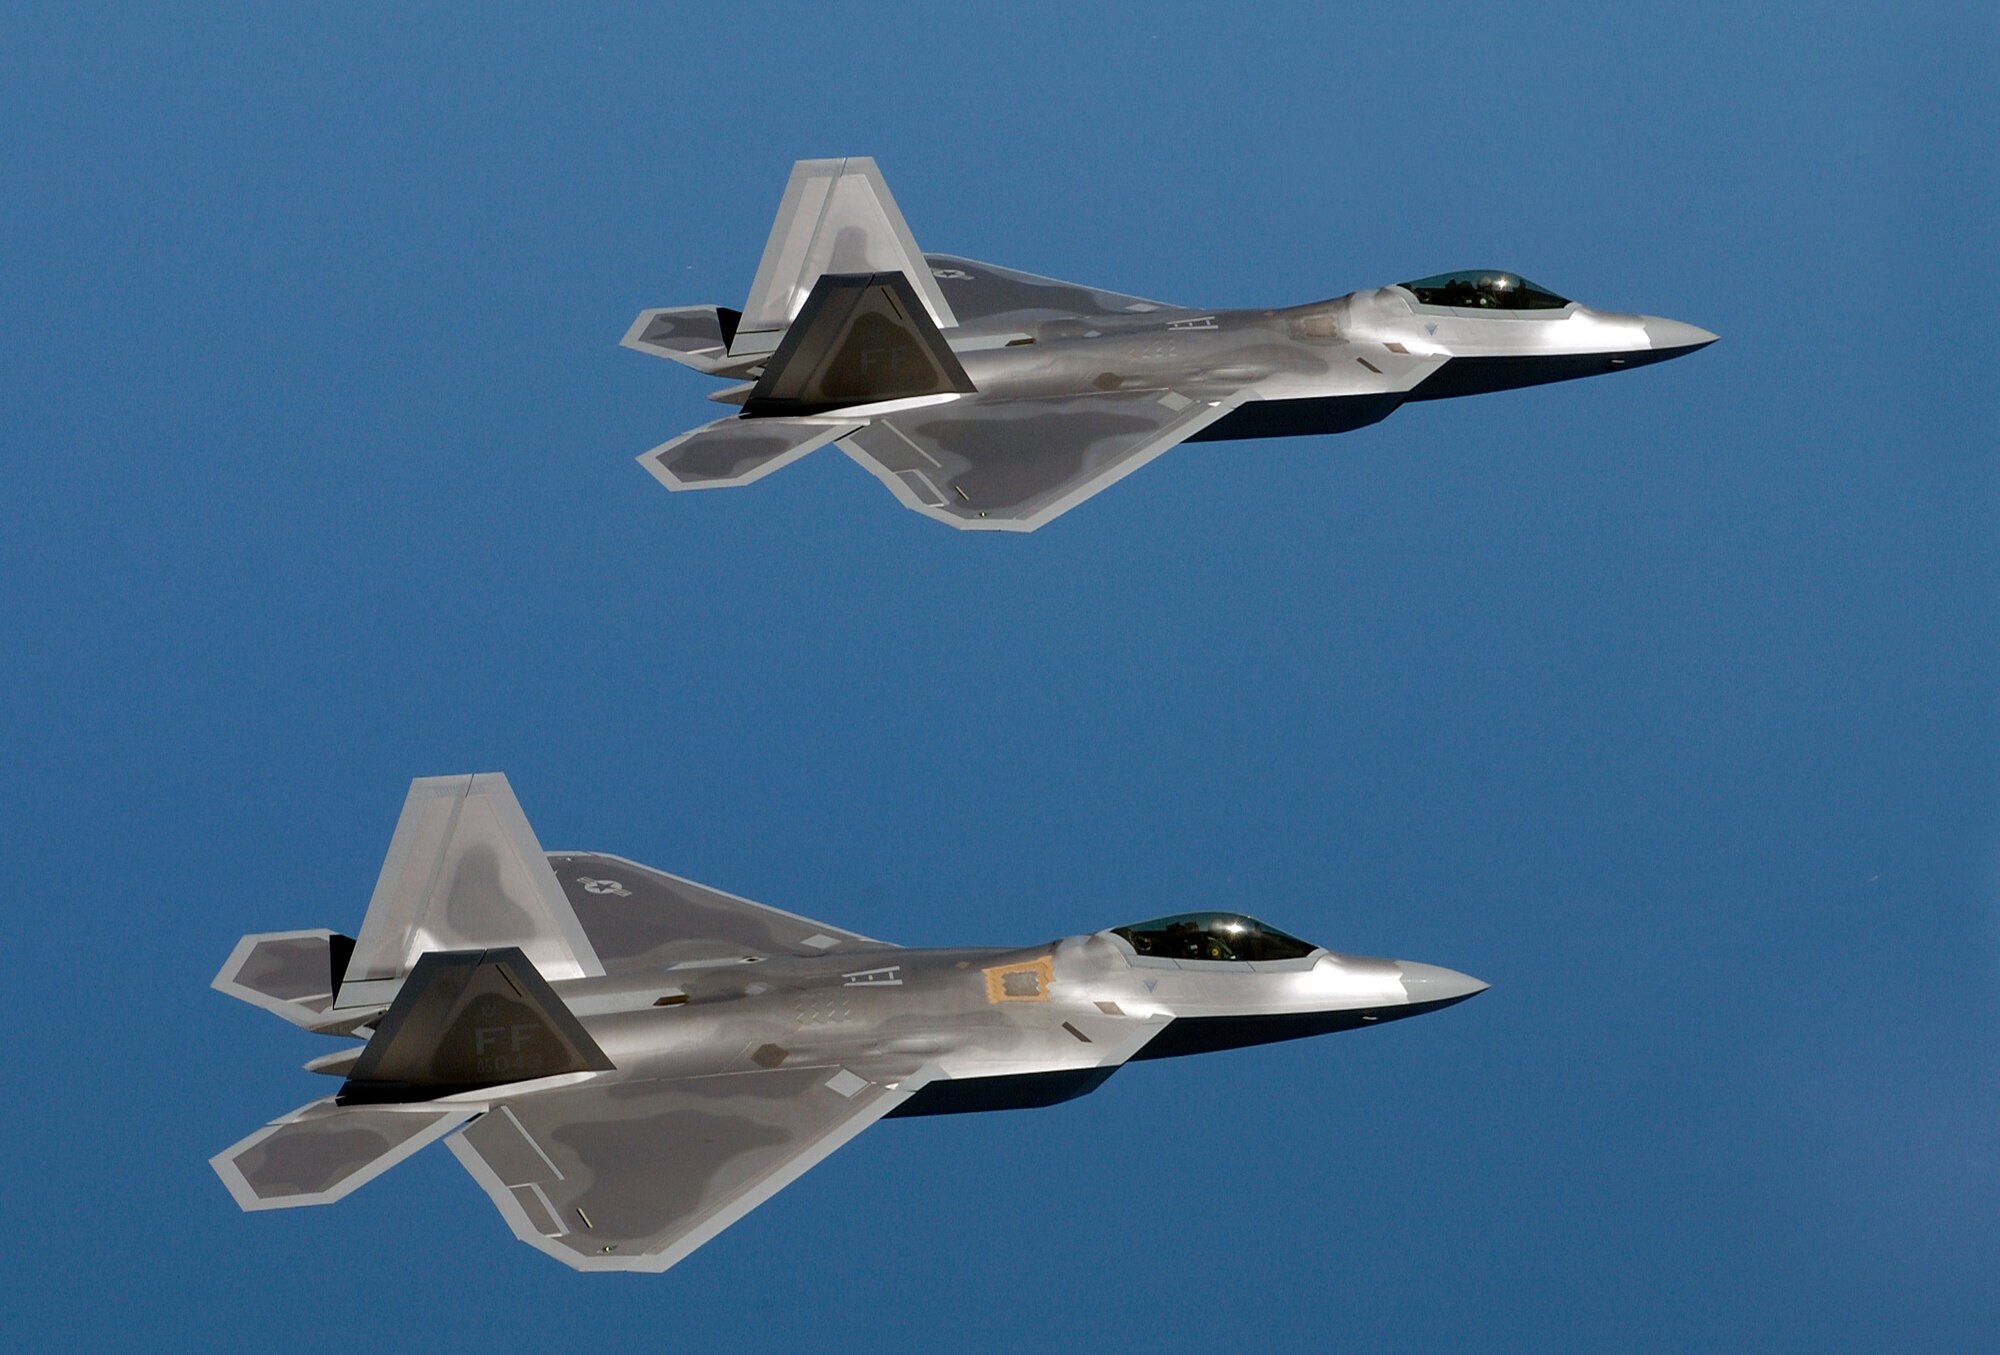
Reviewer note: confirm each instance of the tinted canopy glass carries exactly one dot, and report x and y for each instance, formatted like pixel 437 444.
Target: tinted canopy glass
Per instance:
pixel 1212 936
pixel 1485 289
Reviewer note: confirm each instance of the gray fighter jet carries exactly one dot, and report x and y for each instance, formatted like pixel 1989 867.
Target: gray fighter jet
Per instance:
pixel 995 400
pixel 628 1062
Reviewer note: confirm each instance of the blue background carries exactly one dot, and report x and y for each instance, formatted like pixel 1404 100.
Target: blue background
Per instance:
pixel 1665 703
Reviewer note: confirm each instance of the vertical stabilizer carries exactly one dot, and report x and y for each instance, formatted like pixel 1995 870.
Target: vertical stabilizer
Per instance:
pixel 464 872
pixel 836 217
pixel 470 1019
pixel 861 338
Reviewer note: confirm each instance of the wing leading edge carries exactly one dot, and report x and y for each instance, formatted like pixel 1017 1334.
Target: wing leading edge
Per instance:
pixel 985 292
pixel 640 918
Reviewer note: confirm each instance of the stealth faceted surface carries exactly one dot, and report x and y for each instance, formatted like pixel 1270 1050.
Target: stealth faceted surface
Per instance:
pixel 640 918
pixel 1663 702
pixel 698 1029
pixel 1067 383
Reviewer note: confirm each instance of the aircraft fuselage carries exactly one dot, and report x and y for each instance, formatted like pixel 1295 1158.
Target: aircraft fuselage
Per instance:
pixel 1028 1026
pixel 1323 367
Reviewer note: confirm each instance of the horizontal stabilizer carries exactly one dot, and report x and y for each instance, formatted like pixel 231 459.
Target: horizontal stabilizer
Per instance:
pixel 694 336
pixel 323 1151
pixel 735 451
pixel 470 1019
pixel 291 973
pixel 464 872
pixel 836 217
pixel 861 339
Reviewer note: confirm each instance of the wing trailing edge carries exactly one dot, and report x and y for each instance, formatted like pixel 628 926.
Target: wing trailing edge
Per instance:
pixel 637 1175
pixel 1003 465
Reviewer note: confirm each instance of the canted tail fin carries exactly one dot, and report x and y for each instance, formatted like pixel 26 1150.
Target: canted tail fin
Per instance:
pixel 844 316
pixel 836 217
pixel 464 1022
pixel 464 873
pixel 860 339
pixel 862 345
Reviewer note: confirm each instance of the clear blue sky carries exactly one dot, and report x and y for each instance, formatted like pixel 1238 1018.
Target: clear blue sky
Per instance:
pixel 1664 702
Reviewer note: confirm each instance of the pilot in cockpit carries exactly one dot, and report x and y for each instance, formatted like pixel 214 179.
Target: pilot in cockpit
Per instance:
pixel 1486 289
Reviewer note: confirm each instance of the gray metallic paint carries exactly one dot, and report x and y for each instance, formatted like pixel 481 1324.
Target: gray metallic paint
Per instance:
pixel 994 459
pixel 713 1048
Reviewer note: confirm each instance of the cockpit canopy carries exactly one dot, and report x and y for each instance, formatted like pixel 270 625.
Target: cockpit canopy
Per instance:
pixel 1212 936
pixel 1485 289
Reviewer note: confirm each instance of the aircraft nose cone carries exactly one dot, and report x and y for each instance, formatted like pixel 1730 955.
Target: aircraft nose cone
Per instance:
pixel 1674 336
pixel 1429 983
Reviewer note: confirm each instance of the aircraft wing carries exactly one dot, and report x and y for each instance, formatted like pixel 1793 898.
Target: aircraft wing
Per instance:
pixel 641 918
pixel 1011 465
pixel 983 291
pixel 636 1175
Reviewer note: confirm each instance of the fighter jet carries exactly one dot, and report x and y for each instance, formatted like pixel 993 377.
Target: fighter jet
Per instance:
pixel 996 400
pixel 628 1062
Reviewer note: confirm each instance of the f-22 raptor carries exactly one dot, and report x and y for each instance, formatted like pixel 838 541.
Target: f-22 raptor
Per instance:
pixel 628 1062
pixel 991 399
